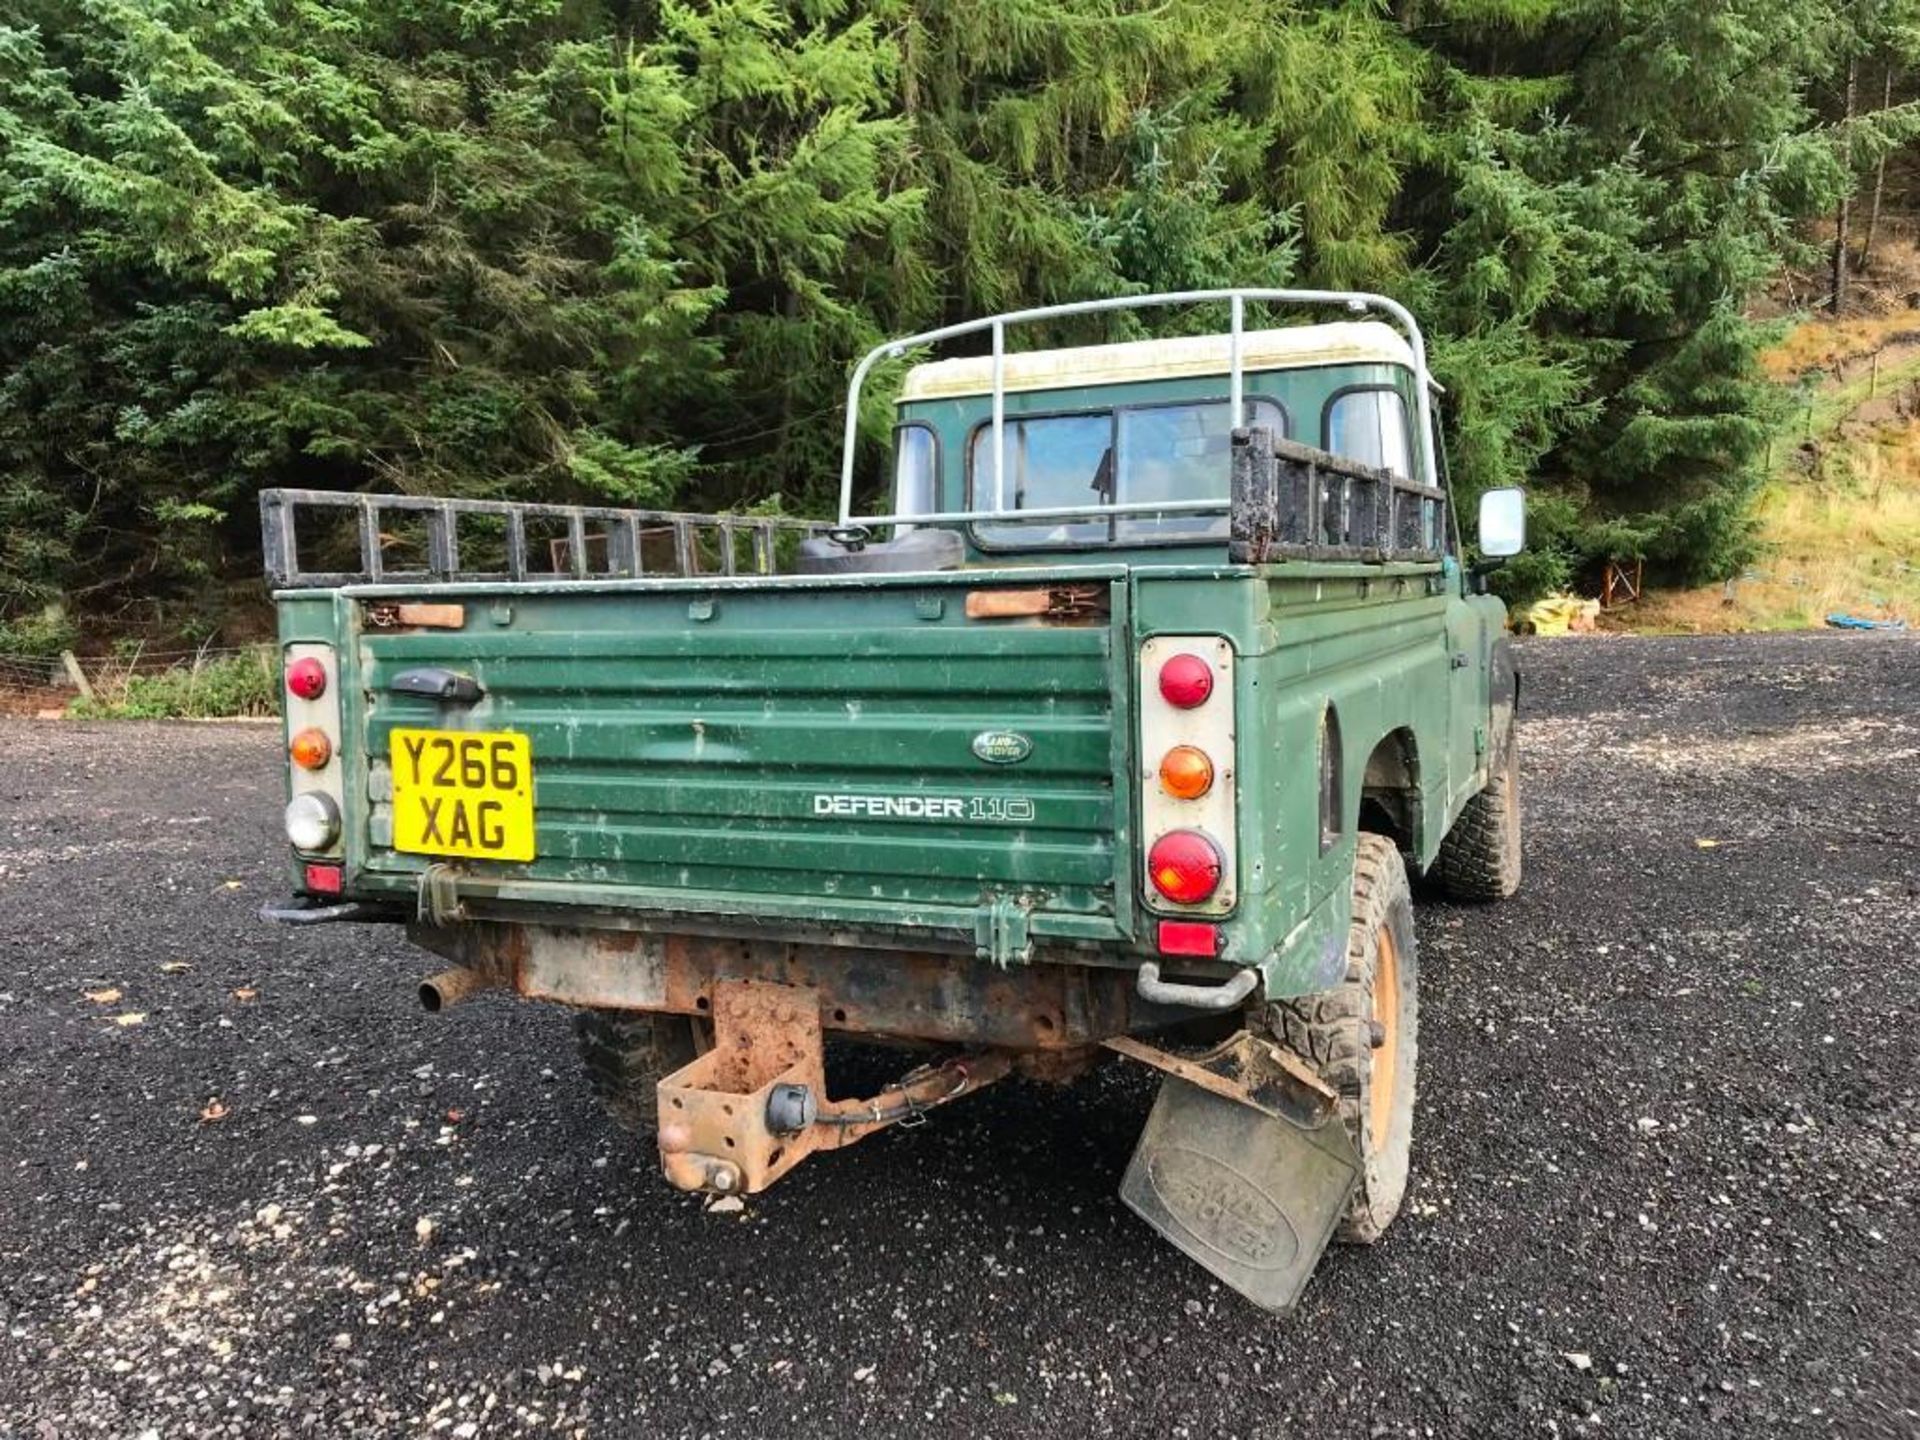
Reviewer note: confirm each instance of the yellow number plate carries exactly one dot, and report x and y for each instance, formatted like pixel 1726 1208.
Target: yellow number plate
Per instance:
pixel 463 792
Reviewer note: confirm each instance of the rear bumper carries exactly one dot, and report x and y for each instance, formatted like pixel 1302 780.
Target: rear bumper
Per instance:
pixel 301 912
pixel 852 921
pixel 912 994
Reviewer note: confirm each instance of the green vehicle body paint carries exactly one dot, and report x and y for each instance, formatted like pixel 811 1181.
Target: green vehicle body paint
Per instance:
pixel 921 799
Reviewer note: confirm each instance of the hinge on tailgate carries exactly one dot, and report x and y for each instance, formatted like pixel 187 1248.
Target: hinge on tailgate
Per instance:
pixel 1000 931
pixel 1047 602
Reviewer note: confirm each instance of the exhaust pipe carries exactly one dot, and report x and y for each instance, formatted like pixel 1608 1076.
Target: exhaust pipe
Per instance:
pixel 450 987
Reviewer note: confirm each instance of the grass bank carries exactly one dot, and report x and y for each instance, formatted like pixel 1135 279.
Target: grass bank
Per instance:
pixel 241 683
pixel 1840 515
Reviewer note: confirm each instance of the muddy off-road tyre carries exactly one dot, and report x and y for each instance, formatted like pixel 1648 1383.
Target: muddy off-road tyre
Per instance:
pixel 1480 858
pixel 1362 1036
pixel 626 1054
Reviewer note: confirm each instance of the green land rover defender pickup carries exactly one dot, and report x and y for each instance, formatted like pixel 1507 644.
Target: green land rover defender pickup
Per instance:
pixel 1116 731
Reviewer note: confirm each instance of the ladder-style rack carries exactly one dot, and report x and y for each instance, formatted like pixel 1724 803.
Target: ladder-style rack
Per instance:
pixel 581 542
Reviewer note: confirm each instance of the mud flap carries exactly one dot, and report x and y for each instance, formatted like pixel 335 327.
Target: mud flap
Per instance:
pixel 1244 1166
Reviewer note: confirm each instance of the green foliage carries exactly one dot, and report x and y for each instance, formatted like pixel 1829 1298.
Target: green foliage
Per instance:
pixel 627 253
pixel 223 688
pixel 39 634
pixel 1554 551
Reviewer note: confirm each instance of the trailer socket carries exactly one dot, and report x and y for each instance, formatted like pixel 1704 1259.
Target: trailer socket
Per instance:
pixel 791 1109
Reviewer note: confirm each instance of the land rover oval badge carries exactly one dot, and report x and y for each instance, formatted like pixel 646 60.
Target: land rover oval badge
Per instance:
pixel 1002 747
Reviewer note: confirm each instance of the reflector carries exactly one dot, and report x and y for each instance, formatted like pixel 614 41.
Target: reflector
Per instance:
pixel 1189 937
pixel 324 879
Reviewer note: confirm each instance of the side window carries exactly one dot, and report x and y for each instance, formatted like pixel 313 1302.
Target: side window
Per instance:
pixel 915 470
pixel 1333 801
pixel 1370 426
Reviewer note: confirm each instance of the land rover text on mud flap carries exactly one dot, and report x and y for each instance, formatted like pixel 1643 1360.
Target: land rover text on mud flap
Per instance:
pixel 1115 731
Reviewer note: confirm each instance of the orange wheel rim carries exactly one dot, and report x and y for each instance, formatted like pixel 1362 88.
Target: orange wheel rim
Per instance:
pixel 1386 1055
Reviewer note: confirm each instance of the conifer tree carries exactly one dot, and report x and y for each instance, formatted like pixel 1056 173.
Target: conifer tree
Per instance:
pixel 628 252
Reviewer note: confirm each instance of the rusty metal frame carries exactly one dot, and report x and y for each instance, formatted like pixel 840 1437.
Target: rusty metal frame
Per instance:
pixel 1293 502
pixel 717 1129
pixel 1248 1070
pixel 925 996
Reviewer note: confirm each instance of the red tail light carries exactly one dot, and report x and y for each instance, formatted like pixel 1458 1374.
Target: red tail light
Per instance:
pixel 1186 681
pixel 307 678
pixel 1185 866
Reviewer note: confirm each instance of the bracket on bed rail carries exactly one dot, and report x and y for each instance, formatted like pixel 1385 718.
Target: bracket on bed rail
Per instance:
pixel 1293 502
pixel 581 542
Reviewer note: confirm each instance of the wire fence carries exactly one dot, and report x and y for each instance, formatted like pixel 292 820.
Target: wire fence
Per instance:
pixel 30 672
pixel 132 679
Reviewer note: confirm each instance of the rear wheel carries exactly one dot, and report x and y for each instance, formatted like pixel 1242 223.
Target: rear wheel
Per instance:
pixel 1362 1036
pixel 1480 858
pixel 626 1054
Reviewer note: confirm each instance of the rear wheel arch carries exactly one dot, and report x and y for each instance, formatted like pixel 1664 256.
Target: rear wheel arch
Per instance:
pixel 1389 800
pixel 1503 688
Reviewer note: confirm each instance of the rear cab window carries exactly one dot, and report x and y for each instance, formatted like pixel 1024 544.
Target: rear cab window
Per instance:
pixel 1066 449
pixel 1130 454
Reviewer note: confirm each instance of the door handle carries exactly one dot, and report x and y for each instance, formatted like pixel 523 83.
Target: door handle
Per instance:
pixel 435 683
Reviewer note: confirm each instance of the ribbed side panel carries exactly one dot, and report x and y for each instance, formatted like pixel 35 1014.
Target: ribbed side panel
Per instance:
pixel 759 758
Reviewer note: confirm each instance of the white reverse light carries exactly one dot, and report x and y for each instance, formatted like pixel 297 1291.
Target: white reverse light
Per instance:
pixel 313 821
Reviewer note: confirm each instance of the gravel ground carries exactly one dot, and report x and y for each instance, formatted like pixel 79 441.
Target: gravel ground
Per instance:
pixel 1664 1180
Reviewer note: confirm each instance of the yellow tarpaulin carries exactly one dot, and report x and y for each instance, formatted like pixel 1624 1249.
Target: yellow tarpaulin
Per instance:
pixel 1560 615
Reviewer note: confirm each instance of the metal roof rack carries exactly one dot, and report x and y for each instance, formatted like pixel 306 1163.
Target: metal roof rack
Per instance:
pixel 1353 301
pixel 587 541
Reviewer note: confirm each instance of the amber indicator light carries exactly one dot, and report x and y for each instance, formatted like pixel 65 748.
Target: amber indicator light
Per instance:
pixel 311 749
pixel 1186 773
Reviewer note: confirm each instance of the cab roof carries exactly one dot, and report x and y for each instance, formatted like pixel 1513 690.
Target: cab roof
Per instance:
pixel 1351 342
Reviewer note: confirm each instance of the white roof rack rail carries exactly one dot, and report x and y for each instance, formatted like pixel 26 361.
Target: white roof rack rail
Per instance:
pixel 1354 302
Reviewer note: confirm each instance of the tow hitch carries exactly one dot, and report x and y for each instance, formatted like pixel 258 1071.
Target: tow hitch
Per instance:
pixel 1244 1165
pixel 754 1106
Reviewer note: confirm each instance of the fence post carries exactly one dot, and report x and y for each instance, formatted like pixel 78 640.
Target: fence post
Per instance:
pixel 76 674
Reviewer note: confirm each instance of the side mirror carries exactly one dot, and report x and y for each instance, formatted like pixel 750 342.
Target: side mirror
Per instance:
pixel 1503 522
